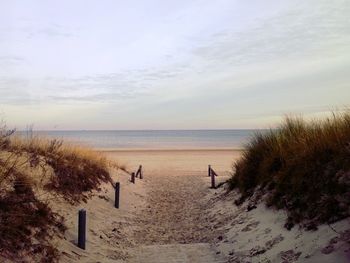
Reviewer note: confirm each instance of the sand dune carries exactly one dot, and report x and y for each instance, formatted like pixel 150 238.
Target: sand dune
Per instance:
pixel 172 216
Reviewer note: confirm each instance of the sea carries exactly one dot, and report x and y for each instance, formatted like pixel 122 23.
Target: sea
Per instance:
pixel 152 139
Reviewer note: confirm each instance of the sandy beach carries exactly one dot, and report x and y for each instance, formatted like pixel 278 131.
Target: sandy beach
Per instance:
pixel 176 161
pixel 173 216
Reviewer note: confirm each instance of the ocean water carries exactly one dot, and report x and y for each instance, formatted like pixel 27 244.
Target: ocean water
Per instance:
pixel 157 139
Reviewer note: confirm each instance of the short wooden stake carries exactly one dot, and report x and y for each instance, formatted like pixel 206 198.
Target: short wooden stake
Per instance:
pixel 212 179
pixel 209 170
pixel 82 229
pixel 133 178
pixel 141 175
pixel 117 194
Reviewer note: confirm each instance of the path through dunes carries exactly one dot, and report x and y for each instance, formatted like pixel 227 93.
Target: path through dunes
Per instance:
pixel 173 225
pixel 177 253
pixel 175 214
pixel 175 210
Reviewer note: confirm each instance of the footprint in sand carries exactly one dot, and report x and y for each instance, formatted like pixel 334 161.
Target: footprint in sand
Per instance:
pixel 250 226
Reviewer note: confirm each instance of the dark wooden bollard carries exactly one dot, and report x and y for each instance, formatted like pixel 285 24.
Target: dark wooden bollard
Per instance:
pixel 133 178
pixel 82 228
pixel 140 169
pixel 212 179
pixel 209 170
pixel 139 172
pixel 117 194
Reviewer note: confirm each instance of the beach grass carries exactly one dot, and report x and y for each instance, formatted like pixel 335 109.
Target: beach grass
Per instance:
pixel 32 165
pixel 302 166
pixel 76 170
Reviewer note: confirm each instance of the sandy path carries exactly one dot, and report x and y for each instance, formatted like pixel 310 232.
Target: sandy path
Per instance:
pixel 177 253
pixel 174 211
pixel 174 224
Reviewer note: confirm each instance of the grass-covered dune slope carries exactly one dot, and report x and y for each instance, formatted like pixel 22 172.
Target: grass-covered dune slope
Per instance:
pixel 303 167
pixel 33 172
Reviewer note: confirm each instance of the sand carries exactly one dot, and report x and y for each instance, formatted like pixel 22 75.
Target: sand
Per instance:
pixel 173 216
pixel 177 188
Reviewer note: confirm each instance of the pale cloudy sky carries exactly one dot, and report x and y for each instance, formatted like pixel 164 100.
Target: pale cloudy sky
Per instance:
pixel 176 64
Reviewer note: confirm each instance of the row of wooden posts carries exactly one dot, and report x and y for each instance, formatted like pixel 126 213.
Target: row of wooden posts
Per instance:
pixel 82 212
pixel 139 173
pixel 135 175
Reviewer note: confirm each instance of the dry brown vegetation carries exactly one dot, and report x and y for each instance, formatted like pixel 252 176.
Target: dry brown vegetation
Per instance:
pixel 29 166
pixel 76 171
pixel 303 167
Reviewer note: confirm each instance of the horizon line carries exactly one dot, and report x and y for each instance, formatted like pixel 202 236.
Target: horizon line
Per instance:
pixel 80 130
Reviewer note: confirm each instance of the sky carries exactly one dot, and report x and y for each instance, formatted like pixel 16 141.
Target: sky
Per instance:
pixel 176 64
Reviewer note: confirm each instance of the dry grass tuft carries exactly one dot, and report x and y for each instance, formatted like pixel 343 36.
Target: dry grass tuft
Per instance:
pixel 303 167
pixel 76 170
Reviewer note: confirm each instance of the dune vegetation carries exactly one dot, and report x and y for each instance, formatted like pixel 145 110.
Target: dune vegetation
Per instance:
pixel 34 171
pixel 302 167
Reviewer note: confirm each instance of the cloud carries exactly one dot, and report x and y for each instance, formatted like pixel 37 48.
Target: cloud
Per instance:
pixel 303 29
pixel 14 90
pixel 102 88
pixel 29 29
pixel 100 97
pixel 51 30
pixel 10 61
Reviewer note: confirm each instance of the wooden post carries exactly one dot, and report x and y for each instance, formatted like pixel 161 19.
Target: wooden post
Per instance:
pixel 133 177
pixel 139 172
pixel 117 194
pixel 209 170
pixel 141 175
pixel 82 229
pixel 212 179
